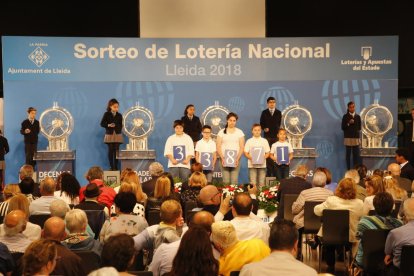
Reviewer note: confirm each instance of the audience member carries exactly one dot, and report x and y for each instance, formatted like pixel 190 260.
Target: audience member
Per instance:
pixel 124 222
pixel 330 184
pixel 40 258
pixel 400 236
pixel 107 195
pixel 402 155
pixel 195 167
pixel 139 208
pixel 155 170
pixel 403 182
pixel 293 185
pixel 210 199
pixel 391 186
pixel 27 186
pixel 69 189
pixel 7 263
pixel 283 242
pixel 13 227
pixel 234 254
pixel 163 191
pixel 373 185
pixel 41 205
pixel 362 172
pixel 383 204
pixel 195 255
pixel 20 202
pixel 59 208
pixel 69 263
pixel 360 191
pixel 91 193
pixel 344 199
pixel 28 171
pixel 132 178
pixel 9 191
pixel 163 257
pixel 196 182
pixel 78 239
pixel 378 172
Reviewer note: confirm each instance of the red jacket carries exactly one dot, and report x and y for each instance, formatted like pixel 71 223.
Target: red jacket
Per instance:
pixel 106 197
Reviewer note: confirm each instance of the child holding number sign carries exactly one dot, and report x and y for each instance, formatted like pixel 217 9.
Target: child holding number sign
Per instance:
pixel 179 149
pixel 230 147
pixel 282 153
pixel 206 153
pixel 257 150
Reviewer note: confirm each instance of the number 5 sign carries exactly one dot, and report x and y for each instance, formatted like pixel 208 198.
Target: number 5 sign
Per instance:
pixel 179 153
pixel 257 154
pixel 206 159
pixel 230 158
pixel 282 155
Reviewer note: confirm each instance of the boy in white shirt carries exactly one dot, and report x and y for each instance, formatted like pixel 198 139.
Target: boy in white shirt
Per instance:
pixel 206 149
pixel 282 153
pixel 257 150
pixel 179 149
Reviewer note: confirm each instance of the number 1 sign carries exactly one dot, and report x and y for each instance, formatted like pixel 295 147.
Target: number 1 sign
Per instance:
pixel 282 155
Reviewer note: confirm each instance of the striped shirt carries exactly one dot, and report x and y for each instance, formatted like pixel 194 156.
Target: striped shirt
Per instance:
pixel 312 194
pixel 373 222
pixel 4 206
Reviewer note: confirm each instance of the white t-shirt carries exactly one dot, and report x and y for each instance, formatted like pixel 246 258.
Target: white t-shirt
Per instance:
pixel 253 143
pixel 280 144
pixel 206 146
pixel 182 140
pixel 230 141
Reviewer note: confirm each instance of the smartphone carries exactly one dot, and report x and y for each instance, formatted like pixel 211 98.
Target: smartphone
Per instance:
pixel 247 186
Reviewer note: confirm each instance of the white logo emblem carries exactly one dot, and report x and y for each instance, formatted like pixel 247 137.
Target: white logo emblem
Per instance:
pixel 38 56
pixel 366 52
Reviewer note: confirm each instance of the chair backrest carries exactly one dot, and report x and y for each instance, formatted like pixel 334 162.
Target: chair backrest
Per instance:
pixel 235 273
pixel 141 273
pixel 96 219
pixel 396 210
pixel 189 205
pixel 18 260
pixel 335 226
pixel 407 256
pixel 189 215
pixel 312 222
pixel 153 217
pixel 373 245
pixel 90 260
pixel 39 219
pixel 288 200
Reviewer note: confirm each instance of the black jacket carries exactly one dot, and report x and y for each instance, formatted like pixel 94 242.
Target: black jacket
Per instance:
pixel 272 122
pixel 32 137
pixel 351 130
pixel 192 127
pixel 108 118
pixel 4 147
pixel 407 171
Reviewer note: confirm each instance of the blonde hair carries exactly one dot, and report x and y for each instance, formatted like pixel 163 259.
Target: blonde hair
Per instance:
pixel 198 179
pixel 375 181
pixel 162 187
pixel 134 188
pixel 170 211
pixel 391 186
pixel 76 220
pixel 11 190
pixel 223 233
pixel 19 202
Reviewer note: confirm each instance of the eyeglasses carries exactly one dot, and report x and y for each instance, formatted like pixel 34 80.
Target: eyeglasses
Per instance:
pixel 206 132
pixel 215 195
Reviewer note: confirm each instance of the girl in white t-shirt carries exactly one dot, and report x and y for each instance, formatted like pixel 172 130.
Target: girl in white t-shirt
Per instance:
pixel 179 149
pixel 230 147
pixel 257 150
pixel 281 158
pixel 207 147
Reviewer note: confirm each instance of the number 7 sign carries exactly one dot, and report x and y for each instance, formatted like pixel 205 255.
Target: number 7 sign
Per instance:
pixel 257 154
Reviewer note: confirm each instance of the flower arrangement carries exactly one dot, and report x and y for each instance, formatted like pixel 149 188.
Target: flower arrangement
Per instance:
pixel 267 198
pixel 177 187
pixel 231 189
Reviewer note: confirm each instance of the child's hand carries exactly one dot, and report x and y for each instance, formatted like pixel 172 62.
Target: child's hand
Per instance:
pixel 174 162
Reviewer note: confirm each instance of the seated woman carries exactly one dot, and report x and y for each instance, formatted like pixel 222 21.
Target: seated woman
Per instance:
pixel 40 258
pixel 344 199
pixel 76 222
pixel 69 189
pixel 124 221
pixel 383 203
pixel 391 186
pixel 127 187
pixel 196 182
pixel 9 191
pixel 373 185
pixel 118 254
pixel 162 192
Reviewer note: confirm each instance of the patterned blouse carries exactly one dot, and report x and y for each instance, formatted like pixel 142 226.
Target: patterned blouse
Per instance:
pixel 123 224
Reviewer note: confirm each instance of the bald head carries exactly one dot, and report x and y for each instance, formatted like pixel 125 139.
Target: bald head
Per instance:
pixel 47 186
pixel 203 219
pixel 395 169
pixel 242 204
pixel 14 222
pixel 54 229
pixel 409 209
pixel 208 194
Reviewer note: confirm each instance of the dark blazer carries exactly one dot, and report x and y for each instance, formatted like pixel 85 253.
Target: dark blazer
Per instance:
pixel 4 147
pixel 90 205
pixel 32 137
pixel 351 130
pixel 293 185
pixel 108 118
pixel 407 171
pixel 192 127
pixel 272 122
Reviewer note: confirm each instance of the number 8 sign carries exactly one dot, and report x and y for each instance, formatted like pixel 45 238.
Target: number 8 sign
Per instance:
pixel 179 153
pixel 230 158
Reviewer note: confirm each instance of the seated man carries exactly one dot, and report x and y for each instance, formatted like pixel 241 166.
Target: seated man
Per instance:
pixel 41 205
pixel 69 263
pixel 91 194
pixel 400 236
pixel 234 254
pixel 283 243
pixel 247 227
pixel 156 170
pixel 13 227
pixel 168 231
pixel 78 239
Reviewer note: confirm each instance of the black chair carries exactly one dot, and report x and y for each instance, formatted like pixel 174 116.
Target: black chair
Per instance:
pixel 189 215
pixel 372 213
pixel 141 273
pixel 18 260
pixel 39 219
pixel 396 210
pixel 235 273
pixel 153 217
pixel 96 219
pixel 1 219
pixel 288 200
pixel 90 260
pixel 335 230
pixel 373 246
pixel 189 206
pixel 311 222
pixel 407 257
